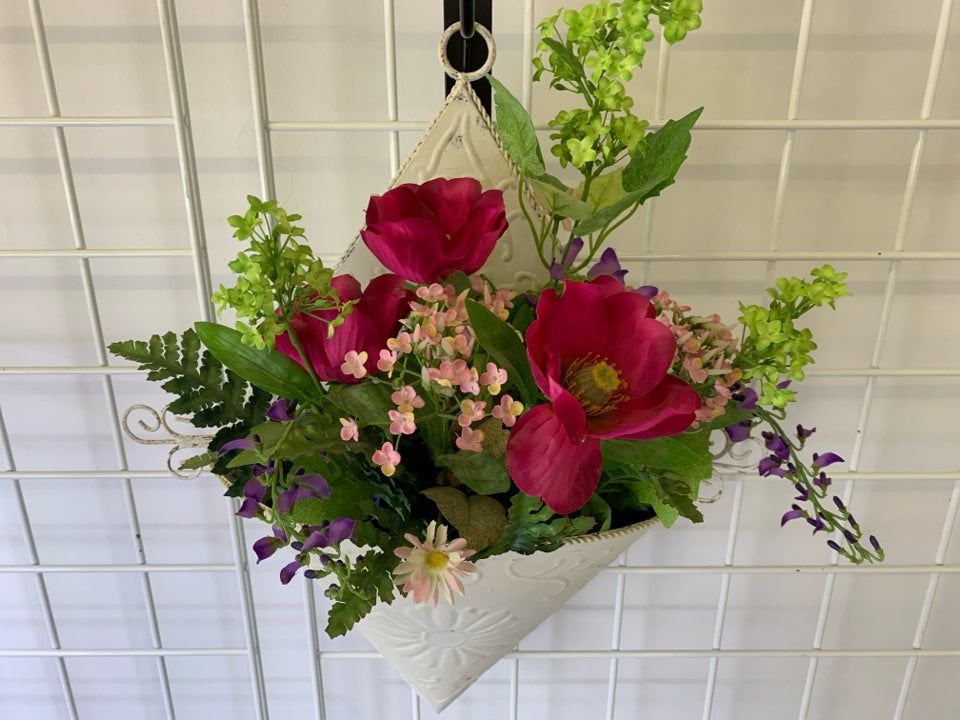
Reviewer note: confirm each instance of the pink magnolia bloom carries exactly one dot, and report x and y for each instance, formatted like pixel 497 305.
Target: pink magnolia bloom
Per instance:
pixel 349 430
pixel 601 358
pixel 375 317
pixel 425 232
pixel 433 566
pixel 387 458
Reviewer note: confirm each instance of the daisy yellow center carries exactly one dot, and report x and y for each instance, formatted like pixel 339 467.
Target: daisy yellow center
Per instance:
pixel 436 559
pixel 594 382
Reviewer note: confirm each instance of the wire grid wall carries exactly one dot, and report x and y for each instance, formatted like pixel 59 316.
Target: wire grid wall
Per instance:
pixel 619 669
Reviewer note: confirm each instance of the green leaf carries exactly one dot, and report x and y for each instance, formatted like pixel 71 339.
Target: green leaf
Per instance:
pixel 502 343
pixel 349 496
pixel 268 369
pixel 731 414
pixel 598 508
pixel 647 493
pixel 527 525
pixel 605 189
pixel 646 175
pixel 558 202
pixel 660 452
pixel 478 519
pixel 369 403
pixel 479 471
pixel 345 613
pixel 515 129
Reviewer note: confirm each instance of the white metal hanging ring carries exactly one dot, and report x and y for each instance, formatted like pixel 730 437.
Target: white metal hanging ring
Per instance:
pixel 483 69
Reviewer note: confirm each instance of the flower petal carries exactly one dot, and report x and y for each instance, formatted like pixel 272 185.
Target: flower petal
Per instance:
pixel 543 462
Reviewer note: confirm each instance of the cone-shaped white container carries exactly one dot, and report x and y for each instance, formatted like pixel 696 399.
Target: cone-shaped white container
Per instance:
pixel 441 650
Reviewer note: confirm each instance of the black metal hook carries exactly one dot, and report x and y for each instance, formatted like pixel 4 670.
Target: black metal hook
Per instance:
pixel 465 45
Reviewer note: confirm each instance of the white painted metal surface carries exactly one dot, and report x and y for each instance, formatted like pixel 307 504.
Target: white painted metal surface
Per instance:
pixel 129 131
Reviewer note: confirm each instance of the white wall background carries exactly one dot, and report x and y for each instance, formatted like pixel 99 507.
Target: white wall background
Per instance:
pixel 831 131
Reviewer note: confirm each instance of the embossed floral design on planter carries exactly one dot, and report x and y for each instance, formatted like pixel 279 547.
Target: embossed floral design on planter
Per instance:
pixel 440 651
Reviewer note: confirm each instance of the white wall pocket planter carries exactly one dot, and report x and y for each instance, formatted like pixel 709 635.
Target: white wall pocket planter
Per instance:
pixel 440 651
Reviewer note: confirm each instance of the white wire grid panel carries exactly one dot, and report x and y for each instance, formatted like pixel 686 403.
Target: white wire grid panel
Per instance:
pixel 831 133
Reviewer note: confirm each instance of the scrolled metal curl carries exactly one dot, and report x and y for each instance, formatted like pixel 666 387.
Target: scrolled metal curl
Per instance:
pixel 159 422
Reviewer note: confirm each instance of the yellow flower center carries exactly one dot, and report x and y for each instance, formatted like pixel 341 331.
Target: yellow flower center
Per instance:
pixel 594 382
pixel 436 559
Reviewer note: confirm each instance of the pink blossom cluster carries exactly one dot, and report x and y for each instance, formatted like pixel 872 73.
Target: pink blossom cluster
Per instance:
pixel 705 348
pixel 437 335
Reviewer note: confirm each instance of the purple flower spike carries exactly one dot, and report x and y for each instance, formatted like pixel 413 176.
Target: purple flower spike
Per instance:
pixel 853 523
pixel 817 524
pixel 803 433
pixel 833 546
pixel 851 538
pixel 804 493
pixel 608 265
pixel 875 543
pixel 648 291
pixel 791 515
pixel 340 529
pixel 770 465
pixel 828 458
pixel 738 431
pixel 749 401
pixel 839 503
pixel 282 410
pixel 288 571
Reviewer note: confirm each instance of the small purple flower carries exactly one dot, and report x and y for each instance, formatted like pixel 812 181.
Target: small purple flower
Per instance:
pixel 839 503
pixel 770 465
pixel 558 268
pixel 817 524
pixel 314 540
pixel 239 444
pixel 822 480
pixel 315 481
pixel 340 529
pixel 875 543
pixel 803 433
pixel 288 571
pixel 257 470
pixel 777 445
pixel 253 493
pixel 749 401
pixel 648 291
pixel 851 538
pixel 282 410
pixel 738 431
pixel 833 546
pixel 853 523
pixel 267 546
pixel 792 514
pixel 608 265
pixel 783 384
pixel 828 458
pixel 804 493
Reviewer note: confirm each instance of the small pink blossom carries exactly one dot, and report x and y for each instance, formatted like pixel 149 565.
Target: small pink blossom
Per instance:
pixel 353 364
pixel 435 292
pixel 401 423
pixel 470 383
pixel 401 343
pixel 458 344
pixel 406 399
pixel 470 440
pixel 387 458
pixel 388 359
pixel 694 368
pixel 508 410
pixel 349 430
pixel 493 378
pixel 470 412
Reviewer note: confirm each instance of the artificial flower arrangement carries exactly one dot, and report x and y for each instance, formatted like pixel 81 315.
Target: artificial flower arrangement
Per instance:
pixel 431 417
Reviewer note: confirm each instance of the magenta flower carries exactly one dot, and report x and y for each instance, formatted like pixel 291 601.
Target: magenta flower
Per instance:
pixel 375 317
pixel 601 358
pixel 425 232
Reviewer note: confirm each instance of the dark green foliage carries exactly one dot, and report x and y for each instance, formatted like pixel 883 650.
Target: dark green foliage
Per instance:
pixel 530 528
pixel 369 581
pixel 212 395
